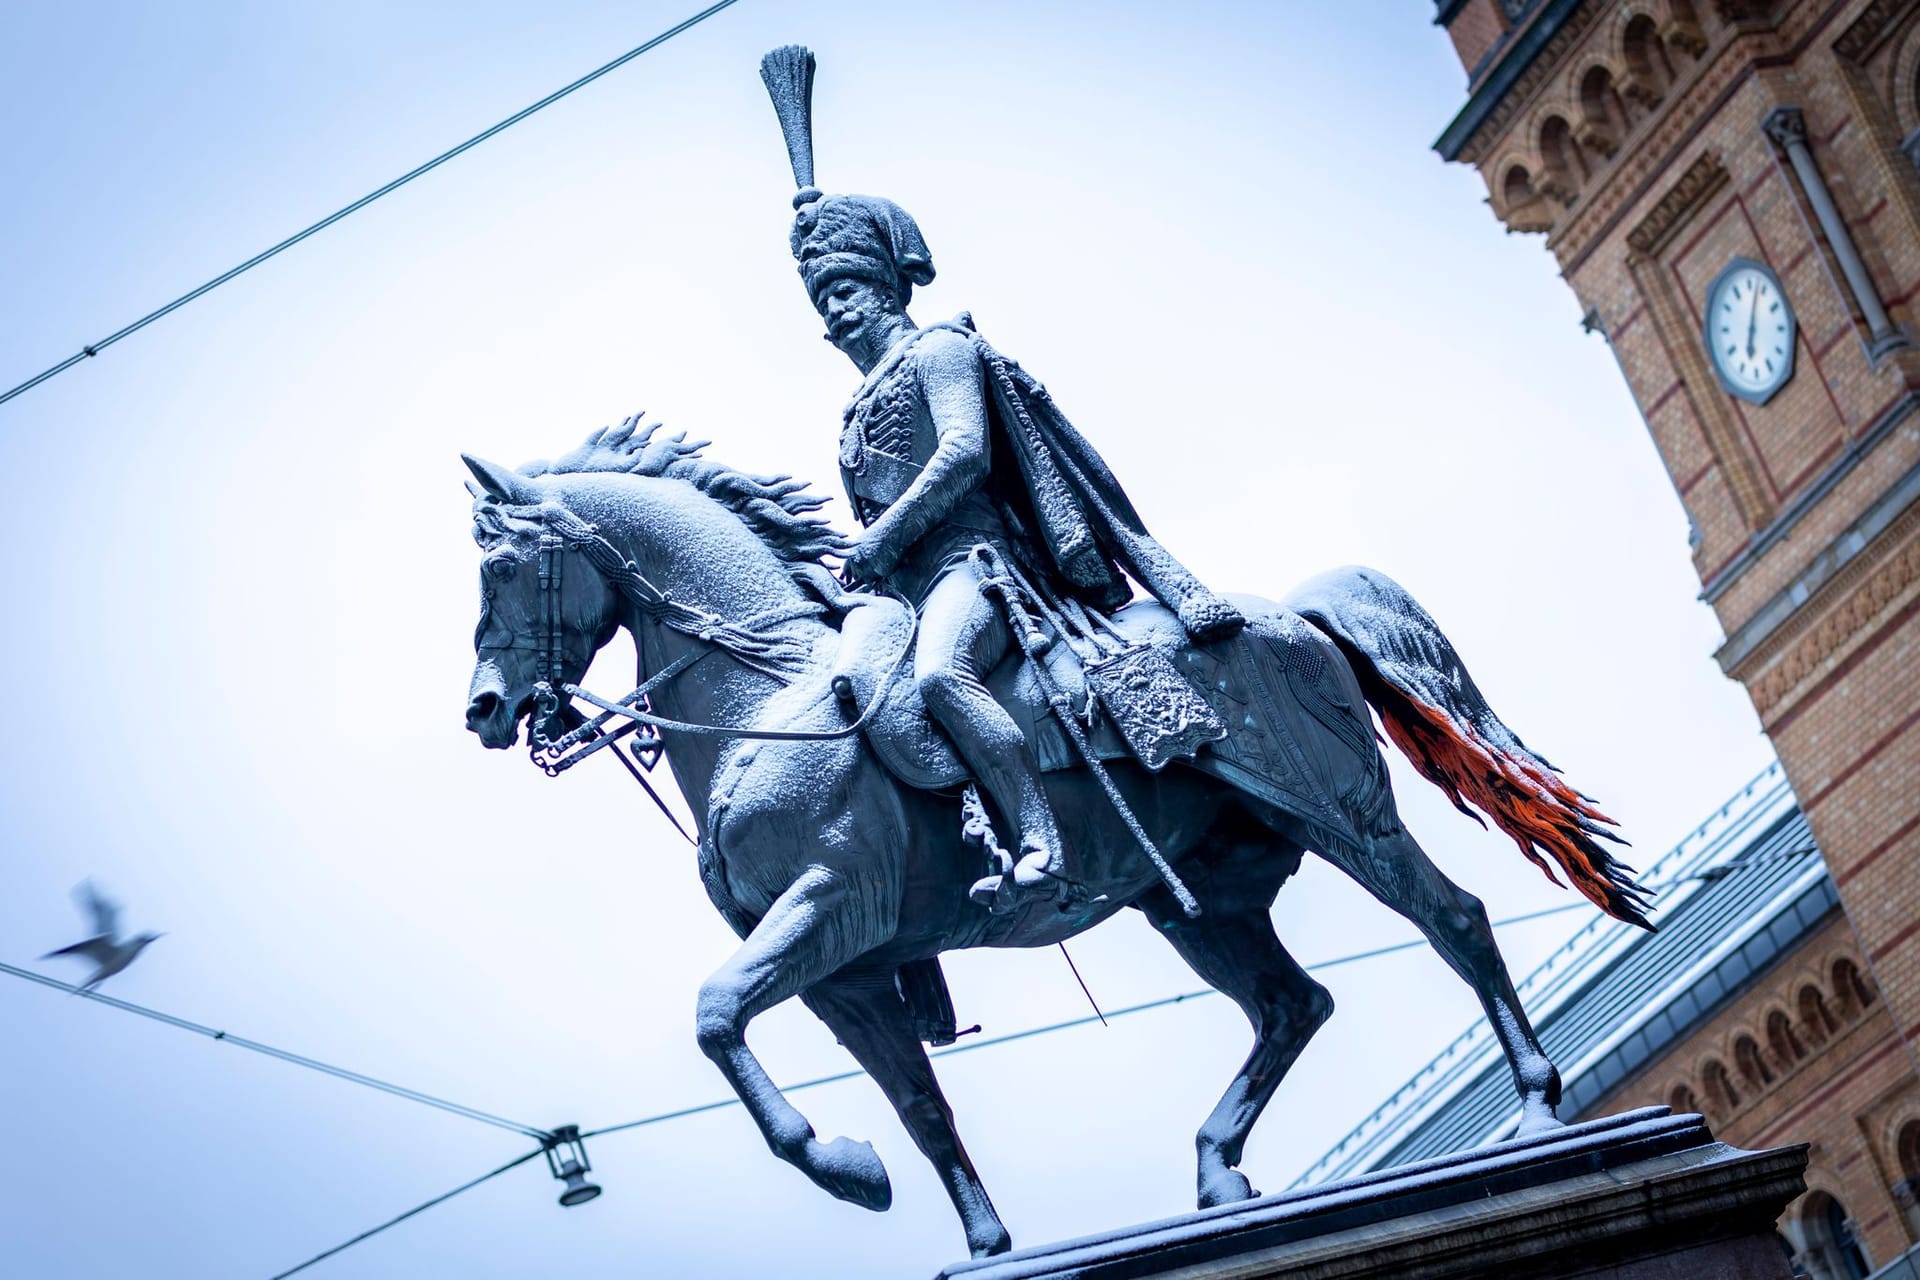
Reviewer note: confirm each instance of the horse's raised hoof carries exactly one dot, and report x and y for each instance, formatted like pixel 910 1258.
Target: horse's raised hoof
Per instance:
pixel 1228 1186
pixel 851 1171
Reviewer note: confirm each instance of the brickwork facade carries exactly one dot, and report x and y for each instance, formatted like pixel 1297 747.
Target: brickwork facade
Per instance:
pixel 1653 143
pixel 1807 1054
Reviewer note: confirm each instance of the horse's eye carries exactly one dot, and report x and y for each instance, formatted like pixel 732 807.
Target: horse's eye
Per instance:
pixel 501 568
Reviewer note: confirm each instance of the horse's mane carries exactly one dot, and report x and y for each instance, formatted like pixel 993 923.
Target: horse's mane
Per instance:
pixel 778 509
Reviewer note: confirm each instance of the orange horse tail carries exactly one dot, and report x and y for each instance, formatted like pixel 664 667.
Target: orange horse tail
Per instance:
pixel 1433 711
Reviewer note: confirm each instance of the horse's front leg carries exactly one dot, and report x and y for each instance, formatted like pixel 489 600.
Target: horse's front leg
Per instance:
pixel 868 1016
pixel 819 924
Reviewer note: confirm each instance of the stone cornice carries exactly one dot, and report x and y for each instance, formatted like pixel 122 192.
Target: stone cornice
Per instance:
pixel 1703 177
pixel 1803 502
pixel 1837 615
pixel 1511 85
pixel 1870 28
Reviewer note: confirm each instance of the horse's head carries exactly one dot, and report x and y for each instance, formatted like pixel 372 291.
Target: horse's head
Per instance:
pixel 544 609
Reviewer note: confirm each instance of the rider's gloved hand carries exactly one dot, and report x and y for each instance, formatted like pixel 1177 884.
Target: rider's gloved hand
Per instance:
pixel 869 562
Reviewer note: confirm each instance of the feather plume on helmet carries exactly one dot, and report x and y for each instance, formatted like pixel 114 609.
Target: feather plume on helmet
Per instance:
pixel 836 237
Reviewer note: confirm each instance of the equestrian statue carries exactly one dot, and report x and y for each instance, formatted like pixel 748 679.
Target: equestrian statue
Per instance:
pixel 975 735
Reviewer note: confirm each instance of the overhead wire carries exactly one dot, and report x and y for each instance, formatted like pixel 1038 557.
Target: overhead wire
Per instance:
pixel 1068 1024
pixel 546 1138
pixel 283 1055
pixel 838 1077
pixel 417 1209
pixel 126 331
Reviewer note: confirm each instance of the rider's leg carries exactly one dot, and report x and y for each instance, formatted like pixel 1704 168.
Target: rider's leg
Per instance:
pixel 963 636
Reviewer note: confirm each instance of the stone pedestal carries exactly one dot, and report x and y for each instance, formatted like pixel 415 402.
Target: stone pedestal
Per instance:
pixel 1640 1196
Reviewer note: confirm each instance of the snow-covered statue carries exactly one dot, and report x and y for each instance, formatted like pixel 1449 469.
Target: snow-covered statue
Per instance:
pixel 1178 754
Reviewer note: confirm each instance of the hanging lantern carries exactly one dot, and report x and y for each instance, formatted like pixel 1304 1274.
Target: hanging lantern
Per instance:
pixel 567 1161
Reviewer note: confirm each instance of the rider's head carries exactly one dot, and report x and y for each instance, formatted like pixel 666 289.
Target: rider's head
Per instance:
pixel 860 257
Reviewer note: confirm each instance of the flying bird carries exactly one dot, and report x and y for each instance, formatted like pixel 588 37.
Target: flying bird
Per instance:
pixel 105 949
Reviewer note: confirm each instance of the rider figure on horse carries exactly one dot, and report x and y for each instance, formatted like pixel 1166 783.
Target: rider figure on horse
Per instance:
pixel 948 445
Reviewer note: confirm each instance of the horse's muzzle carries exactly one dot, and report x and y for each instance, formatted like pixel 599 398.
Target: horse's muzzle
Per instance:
pixel 490 714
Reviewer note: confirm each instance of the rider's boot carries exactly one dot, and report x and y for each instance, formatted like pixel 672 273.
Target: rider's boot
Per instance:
pixel 1041 863
pixel 1042 868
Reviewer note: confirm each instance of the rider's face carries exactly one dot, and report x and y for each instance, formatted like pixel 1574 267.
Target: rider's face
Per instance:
pixel 850 306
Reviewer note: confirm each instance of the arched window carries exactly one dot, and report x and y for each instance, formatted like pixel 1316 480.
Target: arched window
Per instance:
pixel 1830 1231
pixel 1753 1068
pixel 1721 1095
pixel 1682 1102
pixel 1561 168
pixel 1817 1020
pixel 1524 209
pixel 1906 1190
pixel 1910 144
pixel 1648 71
pixel 1603 120
pixel 1781 1038
pixel 1683 30
pixel 1850 991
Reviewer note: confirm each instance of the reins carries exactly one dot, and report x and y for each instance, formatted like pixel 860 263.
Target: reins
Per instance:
pixel 749 642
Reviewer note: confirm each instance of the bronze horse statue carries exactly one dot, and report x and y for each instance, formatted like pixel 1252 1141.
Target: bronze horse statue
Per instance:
pixel 842 879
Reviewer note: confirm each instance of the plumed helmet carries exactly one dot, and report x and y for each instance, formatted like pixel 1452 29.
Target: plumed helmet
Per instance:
pixel 838 237
pixel 862 237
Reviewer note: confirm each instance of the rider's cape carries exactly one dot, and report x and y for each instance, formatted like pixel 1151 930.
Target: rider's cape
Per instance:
pixel 1063 504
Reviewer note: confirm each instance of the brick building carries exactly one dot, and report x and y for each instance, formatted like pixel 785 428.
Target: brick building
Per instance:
pixel 1752 1005
pixel 1730 188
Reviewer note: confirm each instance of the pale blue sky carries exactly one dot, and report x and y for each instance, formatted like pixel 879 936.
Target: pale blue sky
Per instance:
pixel 241 590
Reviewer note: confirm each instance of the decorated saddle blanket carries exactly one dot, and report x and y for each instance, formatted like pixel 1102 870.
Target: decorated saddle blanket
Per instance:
pixel 1274 710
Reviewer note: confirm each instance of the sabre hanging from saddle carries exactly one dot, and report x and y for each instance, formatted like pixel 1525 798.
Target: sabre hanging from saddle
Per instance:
pixel 1014 593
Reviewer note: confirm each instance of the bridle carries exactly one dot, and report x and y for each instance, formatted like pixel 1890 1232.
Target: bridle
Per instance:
pixel 759 642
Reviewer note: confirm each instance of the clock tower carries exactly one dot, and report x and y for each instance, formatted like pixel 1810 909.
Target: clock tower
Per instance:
pixel 1730 189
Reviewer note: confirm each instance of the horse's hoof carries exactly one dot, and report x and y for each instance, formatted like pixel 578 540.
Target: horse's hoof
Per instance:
pixel 1229 1186
pixel 1537 1120
pixel 852 1171
pixel 992 1245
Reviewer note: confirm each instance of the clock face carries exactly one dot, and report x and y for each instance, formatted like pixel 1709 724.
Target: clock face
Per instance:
pixel 1750 331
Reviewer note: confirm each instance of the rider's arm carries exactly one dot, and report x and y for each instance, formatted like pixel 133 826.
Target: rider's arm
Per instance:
pixel 955 387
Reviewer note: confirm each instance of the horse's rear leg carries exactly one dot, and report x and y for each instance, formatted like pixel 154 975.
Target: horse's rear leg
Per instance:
pixel 1232 946
pixel 1398 872
pixel 819 924
pixel 868 1016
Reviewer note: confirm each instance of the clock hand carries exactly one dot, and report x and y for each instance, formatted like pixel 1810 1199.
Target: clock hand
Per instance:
pixel 1753 321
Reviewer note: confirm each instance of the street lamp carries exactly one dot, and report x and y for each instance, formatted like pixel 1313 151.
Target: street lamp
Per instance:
pixel 567 1161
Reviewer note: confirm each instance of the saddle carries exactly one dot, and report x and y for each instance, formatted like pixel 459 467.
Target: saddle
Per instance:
pixel 1287 717
pixel 1273 710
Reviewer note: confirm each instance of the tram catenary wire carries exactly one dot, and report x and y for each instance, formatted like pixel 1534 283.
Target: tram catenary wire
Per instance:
pixel 417 1209
pixel 283 1055
pixel 95 348
pixel 545 1137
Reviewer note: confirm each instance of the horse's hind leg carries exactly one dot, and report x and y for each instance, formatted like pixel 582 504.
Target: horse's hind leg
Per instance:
pixel 1398 872
pixel 820 923
pixel 868 1016
pixel 1232 946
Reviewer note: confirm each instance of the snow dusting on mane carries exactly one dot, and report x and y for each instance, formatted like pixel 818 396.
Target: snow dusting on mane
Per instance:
pixel 778 509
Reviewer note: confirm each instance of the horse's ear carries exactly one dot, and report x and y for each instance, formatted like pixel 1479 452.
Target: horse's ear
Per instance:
pixel 476 490
pixel 501 482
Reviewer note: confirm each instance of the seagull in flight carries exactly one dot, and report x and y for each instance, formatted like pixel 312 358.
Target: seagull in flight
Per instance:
pixel 105 949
